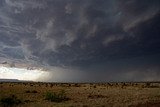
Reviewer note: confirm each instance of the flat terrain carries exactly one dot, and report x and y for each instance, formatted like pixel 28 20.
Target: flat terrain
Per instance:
pixel 37 94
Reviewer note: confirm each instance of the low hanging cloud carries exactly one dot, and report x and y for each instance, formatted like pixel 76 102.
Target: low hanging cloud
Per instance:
pixel 76 37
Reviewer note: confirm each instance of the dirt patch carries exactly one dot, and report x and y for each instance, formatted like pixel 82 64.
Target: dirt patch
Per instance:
pixel 148 104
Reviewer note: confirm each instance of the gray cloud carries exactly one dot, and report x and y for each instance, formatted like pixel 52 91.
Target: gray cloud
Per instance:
pixel 79 34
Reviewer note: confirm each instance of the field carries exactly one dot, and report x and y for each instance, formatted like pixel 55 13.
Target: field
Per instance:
pixel 38 94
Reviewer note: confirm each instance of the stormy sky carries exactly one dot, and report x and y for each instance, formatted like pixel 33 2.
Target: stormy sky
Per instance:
pixel 83 40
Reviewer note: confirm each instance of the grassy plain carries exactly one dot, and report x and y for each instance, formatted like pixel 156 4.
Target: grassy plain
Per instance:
pixel 38 94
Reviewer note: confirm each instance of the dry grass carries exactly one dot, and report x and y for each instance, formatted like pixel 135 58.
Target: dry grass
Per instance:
pixel 84 95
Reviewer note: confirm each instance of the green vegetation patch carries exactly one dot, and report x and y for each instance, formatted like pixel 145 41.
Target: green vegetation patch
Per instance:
pixel 56 96
pixel 10 101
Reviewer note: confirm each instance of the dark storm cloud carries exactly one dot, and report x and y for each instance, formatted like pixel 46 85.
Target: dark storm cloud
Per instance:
pixel 82 34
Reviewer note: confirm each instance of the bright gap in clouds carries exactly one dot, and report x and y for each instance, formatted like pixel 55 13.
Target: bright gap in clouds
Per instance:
pixel 22 74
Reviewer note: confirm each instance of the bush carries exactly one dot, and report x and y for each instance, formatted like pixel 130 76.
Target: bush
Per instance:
pixel 10 101
pixel 27 91
pixel 33 91
pixel 147 85
pixel 56 97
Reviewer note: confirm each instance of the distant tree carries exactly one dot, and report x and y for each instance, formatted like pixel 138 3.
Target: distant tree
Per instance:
pixel 12 64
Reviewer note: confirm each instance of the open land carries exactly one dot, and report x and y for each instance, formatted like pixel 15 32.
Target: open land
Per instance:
pixel 39 94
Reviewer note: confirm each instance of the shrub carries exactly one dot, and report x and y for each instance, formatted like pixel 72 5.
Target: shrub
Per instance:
pixel 147 85
pixel 56 97
pixel 10 101
pixel 27 91
pixel 33 91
